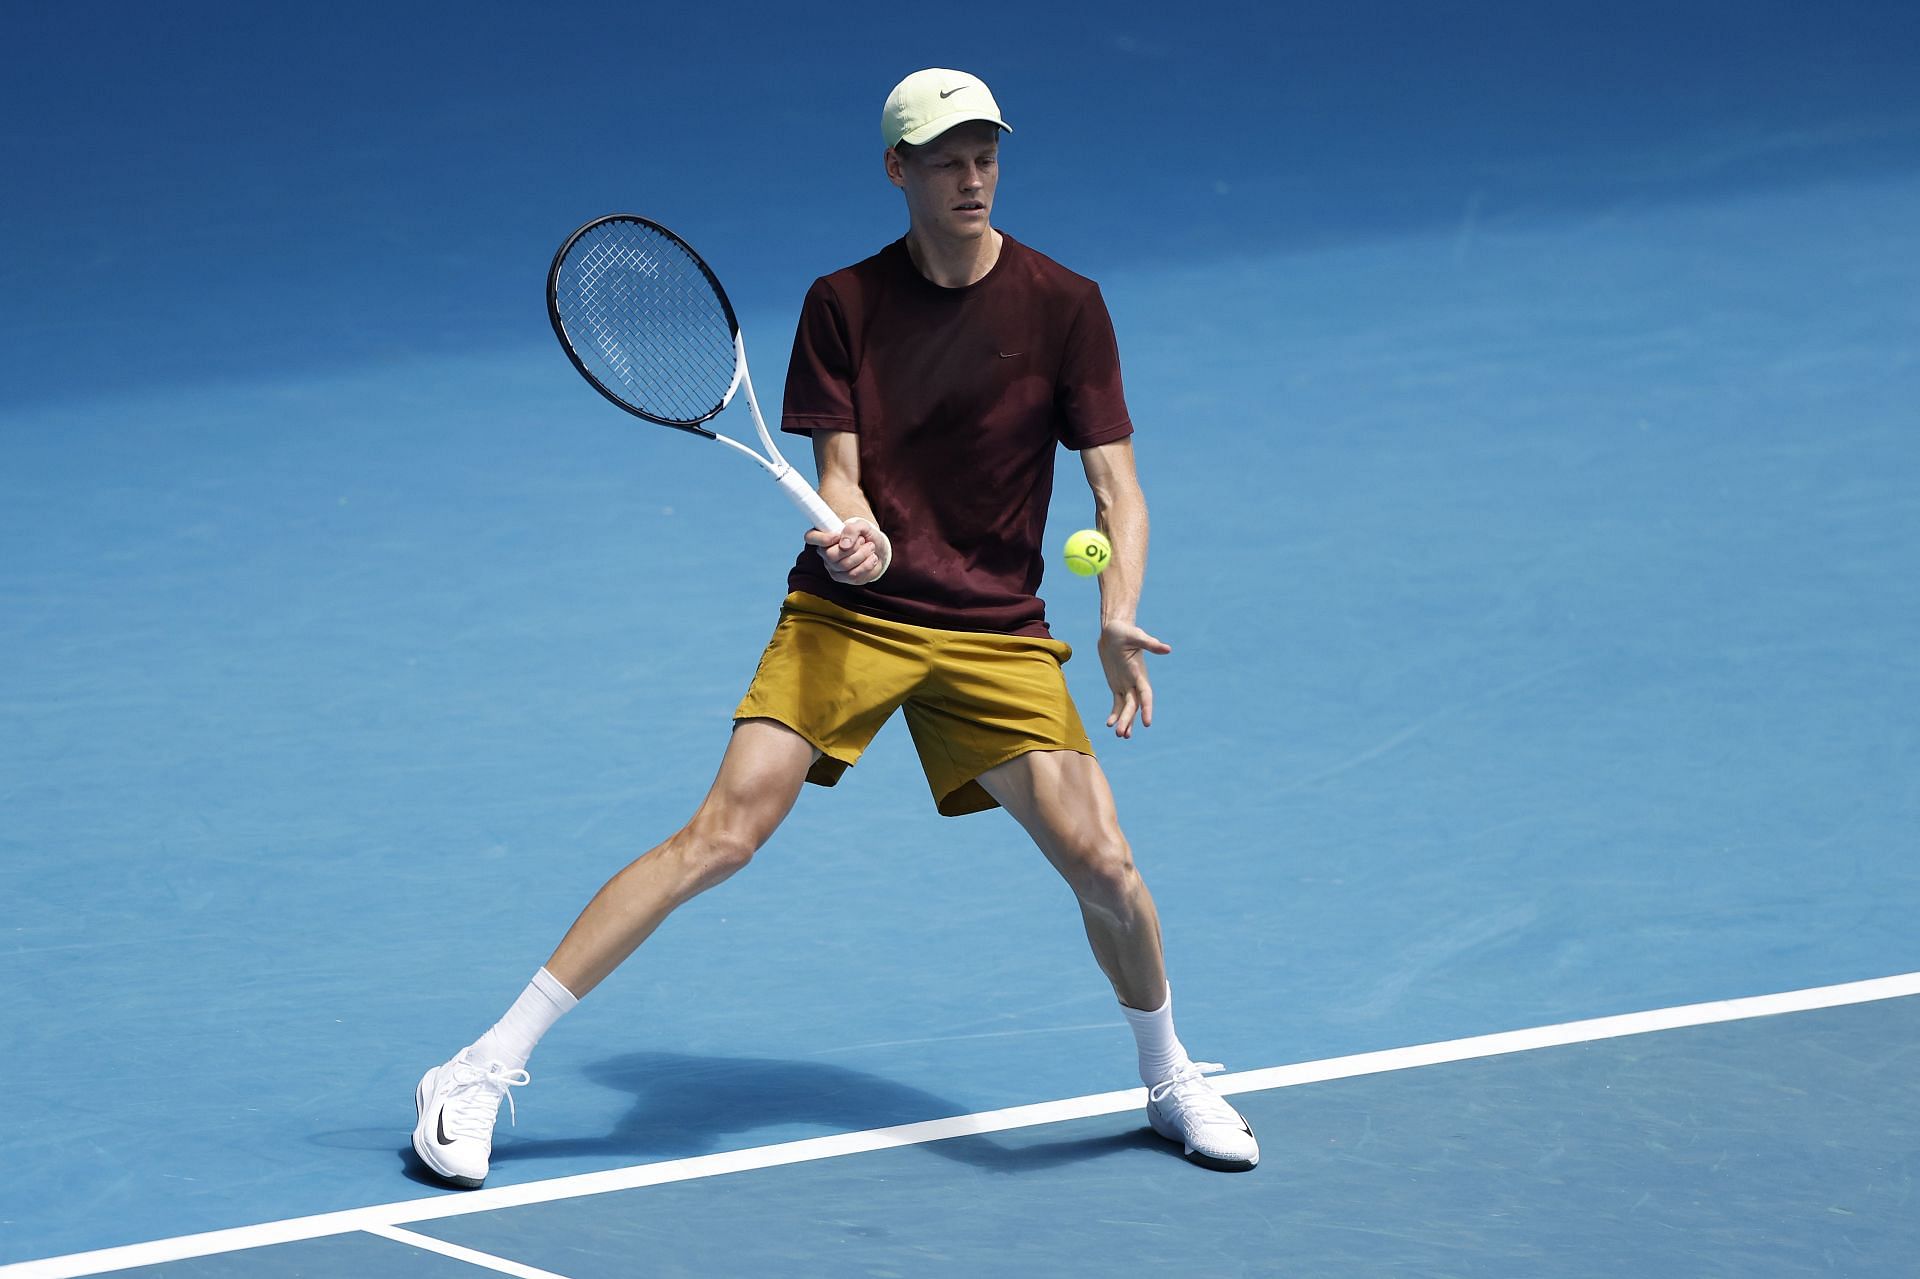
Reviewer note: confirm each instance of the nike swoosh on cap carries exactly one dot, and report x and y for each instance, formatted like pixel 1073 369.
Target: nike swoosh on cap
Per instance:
pixel 948 93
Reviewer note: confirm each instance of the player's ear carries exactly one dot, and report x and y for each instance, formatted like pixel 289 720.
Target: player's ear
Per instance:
pixel 894 173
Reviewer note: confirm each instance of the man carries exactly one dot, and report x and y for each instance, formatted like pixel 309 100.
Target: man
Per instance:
pixel 936 379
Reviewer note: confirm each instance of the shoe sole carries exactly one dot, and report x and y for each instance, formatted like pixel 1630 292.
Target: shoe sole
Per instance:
pixel 420 1099
pixel 1200 1157
pixel 1221 1165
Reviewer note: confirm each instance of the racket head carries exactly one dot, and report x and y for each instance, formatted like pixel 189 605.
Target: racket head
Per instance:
pixel 645 321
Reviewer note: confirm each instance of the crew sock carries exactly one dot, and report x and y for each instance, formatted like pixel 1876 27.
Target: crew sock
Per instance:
pixel 513 1037
pixel 1160 1050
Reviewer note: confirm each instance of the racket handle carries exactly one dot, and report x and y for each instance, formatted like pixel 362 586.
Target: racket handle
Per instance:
pixel 807 500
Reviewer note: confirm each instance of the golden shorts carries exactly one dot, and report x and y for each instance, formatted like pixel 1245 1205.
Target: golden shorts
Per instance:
pixel 972 700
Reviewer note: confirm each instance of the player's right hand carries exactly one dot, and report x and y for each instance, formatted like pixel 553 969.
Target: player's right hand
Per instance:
pixel 857 555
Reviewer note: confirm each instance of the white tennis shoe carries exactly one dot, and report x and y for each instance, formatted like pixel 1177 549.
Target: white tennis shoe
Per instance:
pixel 458 1104
pixel 1185 1108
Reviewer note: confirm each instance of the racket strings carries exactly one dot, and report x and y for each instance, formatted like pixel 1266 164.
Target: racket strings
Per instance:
pixel 645 313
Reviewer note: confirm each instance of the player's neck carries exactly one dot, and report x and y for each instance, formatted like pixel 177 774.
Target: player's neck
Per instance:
pixel 953 263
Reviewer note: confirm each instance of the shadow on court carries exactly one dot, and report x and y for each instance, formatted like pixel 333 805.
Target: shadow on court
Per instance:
pixel 686 1105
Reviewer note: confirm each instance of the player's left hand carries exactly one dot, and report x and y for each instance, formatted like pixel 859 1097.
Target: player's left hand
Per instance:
pixel 1123 649
pixel 857 555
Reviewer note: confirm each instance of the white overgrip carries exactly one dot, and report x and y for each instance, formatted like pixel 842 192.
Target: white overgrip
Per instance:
pixel 807 500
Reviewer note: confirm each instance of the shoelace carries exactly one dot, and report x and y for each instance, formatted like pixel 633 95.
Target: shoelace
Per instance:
pixel 1179 1087
pixel 474 1099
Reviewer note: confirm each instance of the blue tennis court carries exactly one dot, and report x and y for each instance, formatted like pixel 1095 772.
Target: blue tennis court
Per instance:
pixel 1529 419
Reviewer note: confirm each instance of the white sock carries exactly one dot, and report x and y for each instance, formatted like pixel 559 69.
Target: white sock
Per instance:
pixel 512 1038
pixel 1160 1051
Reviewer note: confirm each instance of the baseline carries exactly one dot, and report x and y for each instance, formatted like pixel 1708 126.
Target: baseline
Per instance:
pixel 380 1219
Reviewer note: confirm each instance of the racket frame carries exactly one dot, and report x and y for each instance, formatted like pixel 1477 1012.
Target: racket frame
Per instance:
pixel 789 480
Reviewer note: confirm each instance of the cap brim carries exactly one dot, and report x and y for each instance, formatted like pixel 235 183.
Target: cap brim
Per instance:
pixel 934 128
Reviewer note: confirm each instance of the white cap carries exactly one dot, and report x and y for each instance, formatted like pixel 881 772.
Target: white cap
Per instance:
pixel 928 103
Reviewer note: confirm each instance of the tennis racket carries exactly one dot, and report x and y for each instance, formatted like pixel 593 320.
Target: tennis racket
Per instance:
pixel 646 322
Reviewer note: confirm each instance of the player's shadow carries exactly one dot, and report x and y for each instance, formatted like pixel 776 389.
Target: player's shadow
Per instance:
pixel 686 1105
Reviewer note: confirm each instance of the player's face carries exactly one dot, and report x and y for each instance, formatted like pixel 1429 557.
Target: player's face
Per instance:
pixel 950 181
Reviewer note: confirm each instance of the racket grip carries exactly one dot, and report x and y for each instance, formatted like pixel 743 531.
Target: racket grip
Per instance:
pixel 809 501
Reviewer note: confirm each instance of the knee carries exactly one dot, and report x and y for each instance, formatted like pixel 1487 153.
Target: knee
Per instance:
pixel 1102 873
pixel 712 849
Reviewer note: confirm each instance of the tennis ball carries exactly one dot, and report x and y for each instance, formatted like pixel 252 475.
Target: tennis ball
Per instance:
pixel 1088 552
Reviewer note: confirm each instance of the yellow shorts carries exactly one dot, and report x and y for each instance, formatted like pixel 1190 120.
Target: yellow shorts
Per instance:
pixel 972 700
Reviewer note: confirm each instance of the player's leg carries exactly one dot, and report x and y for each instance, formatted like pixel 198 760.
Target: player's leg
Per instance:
pixel 1062 800
pixel 759 778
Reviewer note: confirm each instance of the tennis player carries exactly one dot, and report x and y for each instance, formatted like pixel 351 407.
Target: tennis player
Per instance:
pixel 935 379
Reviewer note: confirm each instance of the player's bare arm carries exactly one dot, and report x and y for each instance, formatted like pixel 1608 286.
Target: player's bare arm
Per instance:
pixel 859 553
pixel 1120 510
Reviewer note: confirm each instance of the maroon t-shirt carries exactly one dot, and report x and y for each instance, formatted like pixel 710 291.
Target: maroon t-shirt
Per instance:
pixel 959 397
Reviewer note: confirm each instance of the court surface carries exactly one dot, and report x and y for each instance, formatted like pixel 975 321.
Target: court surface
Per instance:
pixel 1538 560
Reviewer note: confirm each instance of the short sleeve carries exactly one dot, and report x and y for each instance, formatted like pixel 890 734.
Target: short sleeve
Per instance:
pixel 819 393
pixel 1089 397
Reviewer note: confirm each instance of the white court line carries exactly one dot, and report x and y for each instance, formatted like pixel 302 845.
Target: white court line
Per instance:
pixel 468 1255
pixel 462 1203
